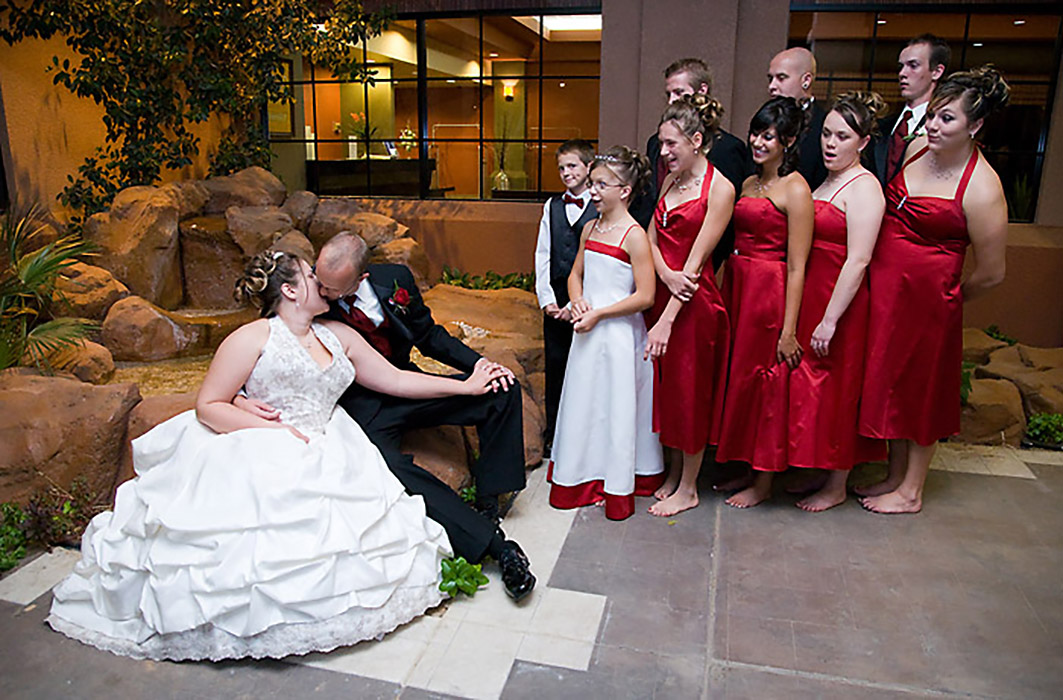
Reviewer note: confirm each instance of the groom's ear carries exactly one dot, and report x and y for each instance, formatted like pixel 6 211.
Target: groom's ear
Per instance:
pixel 365 276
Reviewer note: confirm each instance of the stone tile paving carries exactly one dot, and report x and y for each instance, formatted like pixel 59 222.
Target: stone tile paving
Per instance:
pixel 962 600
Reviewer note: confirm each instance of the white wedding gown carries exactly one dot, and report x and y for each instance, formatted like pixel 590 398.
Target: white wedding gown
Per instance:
pixel 254 543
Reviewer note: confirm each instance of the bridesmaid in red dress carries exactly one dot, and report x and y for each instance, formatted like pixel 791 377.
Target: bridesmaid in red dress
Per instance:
pixel 825 387
pixel 689 332
pixel 945 197
pixel 763 283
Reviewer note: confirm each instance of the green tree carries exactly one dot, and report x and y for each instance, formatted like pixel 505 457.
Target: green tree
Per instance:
pixel 157 67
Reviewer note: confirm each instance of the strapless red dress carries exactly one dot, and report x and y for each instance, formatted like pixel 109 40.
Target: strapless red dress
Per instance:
pixel 754 427
pixel 915 334
pixel 825 391
pixel 689 379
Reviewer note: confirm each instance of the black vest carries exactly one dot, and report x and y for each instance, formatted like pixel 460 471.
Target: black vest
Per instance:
pixel 564 244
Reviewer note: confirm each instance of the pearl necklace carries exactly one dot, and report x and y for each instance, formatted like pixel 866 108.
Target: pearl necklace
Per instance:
pixel 759 187
pixel 604 229
pixel 695 182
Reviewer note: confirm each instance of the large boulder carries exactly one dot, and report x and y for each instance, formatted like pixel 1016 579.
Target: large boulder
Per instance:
pixel 212 326
pixel 137 330
pixel 191 196
pixel 408 252
pixel 1004 363
pixel 1041 358
pixel 301 205
pixel 139 242
pixel 55 429
pixel 88 361
pixel 977 345
pixel 441 451
pixel 335 215
pixel 212 262
pixel 251 187
pixel 993 414
pixel 87 291
pixel 153 410
pixel 1042 391
pixel 296 243
pixel 257 228
pixel 534 429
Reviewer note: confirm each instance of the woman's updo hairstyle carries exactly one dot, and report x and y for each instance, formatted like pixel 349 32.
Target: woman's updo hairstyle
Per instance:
pixel 629 165
pixel 789 121
pixel 261 282
pixel 860 109
pixel 983 90
pixel 695 114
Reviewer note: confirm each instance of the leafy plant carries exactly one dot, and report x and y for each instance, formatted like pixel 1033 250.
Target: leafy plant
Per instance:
pixel 1045 428
pixel 459 576
pixel 994 332
pixel 12 537
pixel 58 516
pixel 468 494
pixel 489 280
pixel 159 67
pixel 966 372
pixel 28 297
pixel 1020 204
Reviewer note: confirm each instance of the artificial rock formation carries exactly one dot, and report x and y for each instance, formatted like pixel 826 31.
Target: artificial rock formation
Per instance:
pixel 251 187
pixel 88 361
pixel 211 262
pixel 977 345
pixel 135 329
pixel 301 205
pixel 993 414
pixel 296 243
pixel 256 228
pixel 55 429
pixel 88 291
pixel 408 252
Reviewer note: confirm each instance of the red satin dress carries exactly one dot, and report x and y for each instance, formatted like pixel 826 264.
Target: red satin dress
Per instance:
pixel 689 379
pixel 915 335
pixel 754 428
pixel 825 391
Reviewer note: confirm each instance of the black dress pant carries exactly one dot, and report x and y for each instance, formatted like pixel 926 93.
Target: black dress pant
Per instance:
pixel 557 339
pixel 499 468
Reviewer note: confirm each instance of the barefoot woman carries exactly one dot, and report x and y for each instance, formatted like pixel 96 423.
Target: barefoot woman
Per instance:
pixel 762 289
pixel 825 387
pixel 945 197
pixel 688 337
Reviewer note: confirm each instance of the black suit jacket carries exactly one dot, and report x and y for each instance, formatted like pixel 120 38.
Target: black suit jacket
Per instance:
pixel 881 146
pixel 729 155
pixel 811 166
pixel 409 328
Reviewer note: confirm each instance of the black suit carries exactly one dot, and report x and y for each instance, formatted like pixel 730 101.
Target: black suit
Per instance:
pixel 729 155
pixel 881 146
pixel 384 418
pixel 811 151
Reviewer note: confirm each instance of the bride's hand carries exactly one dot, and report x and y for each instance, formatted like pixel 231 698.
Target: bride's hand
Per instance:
pixel 292 429
pixel 484 377
pixel 256 407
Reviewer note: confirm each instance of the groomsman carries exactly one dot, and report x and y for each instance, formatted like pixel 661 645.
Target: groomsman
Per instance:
pixel 791 74
pixel 728 154
pixel 920 66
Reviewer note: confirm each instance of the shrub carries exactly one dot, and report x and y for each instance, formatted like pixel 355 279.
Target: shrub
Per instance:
pixel 489 280
pixel 994 332
pixel 1045 428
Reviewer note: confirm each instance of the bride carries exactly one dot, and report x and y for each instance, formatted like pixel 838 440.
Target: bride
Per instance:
pixel 242 536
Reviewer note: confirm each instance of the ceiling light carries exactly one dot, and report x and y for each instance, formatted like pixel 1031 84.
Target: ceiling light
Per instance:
pixel 452 81
pixel 1019 22
pixel 572 23
pixel 493 54
pixel 977 44
pixel 881 21
pixel 561 84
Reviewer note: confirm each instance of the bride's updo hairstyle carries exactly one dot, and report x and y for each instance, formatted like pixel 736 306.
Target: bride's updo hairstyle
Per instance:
pixel 629 165
pixel 695 114
pixel 261 282
pixel 983 91
pixel 789 121
pixel 860 109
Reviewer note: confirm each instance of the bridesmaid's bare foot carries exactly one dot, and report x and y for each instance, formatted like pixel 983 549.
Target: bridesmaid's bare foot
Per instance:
pixel 807 481
pixel 676 503
pixel 736 483
pixel 671 483
pixel 892 503
pixel 752 496
pixel 877 489
pixel 822 500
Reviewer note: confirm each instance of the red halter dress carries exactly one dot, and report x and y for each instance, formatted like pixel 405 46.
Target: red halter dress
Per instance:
pixel 825 391
pixel 915 335
pixel 754 428
pixel 689 380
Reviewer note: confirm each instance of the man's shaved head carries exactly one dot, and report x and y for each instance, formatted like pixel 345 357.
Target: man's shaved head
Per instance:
pixel 791 73
pixel 341 264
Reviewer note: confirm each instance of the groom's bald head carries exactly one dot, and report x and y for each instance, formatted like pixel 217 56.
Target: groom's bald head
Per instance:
pixel 341 264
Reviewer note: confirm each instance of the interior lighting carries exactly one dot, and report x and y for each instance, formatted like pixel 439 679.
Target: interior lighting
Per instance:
pixel 572 23
pixel 977 44
pixel 561 84
pixel 881 21
pixel 508 87
pixel 1019 22
pixel 493 54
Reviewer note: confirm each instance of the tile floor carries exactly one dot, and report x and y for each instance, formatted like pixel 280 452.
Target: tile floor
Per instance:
pixel 962 600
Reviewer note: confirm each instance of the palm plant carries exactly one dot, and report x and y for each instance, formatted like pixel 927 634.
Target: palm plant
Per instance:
pixel 28 295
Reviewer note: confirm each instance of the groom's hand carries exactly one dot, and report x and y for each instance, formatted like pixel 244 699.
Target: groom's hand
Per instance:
pixel 505 379
pixel 256 407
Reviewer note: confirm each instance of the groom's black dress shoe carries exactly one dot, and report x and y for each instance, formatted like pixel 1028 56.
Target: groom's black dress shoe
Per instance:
pixel 516 576
pixel 488 507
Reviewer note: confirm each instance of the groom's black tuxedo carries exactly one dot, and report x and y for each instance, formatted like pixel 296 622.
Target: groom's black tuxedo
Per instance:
pixel 497 416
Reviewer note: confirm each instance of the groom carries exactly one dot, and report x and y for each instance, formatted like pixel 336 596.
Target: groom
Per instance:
pixel 383 303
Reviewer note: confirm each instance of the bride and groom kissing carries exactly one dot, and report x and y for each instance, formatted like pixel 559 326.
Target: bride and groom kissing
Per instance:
pixel 241 539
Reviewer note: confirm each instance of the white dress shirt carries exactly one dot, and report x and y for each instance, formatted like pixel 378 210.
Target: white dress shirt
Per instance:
pixel 573 212
pixel 918 113
pixel 366 301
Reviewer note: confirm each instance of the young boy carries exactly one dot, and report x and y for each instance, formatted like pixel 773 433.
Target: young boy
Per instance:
pixel 564 217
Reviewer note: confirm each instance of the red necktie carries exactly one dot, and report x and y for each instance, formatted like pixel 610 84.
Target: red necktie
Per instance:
pixel 895 154
pixel 578 201
pixel 364 325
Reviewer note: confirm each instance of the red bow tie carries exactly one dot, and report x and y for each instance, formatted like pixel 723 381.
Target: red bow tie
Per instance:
pixel 578 201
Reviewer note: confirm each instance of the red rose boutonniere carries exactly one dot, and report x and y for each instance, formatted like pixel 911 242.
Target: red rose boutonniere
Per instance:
pixel 400 299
